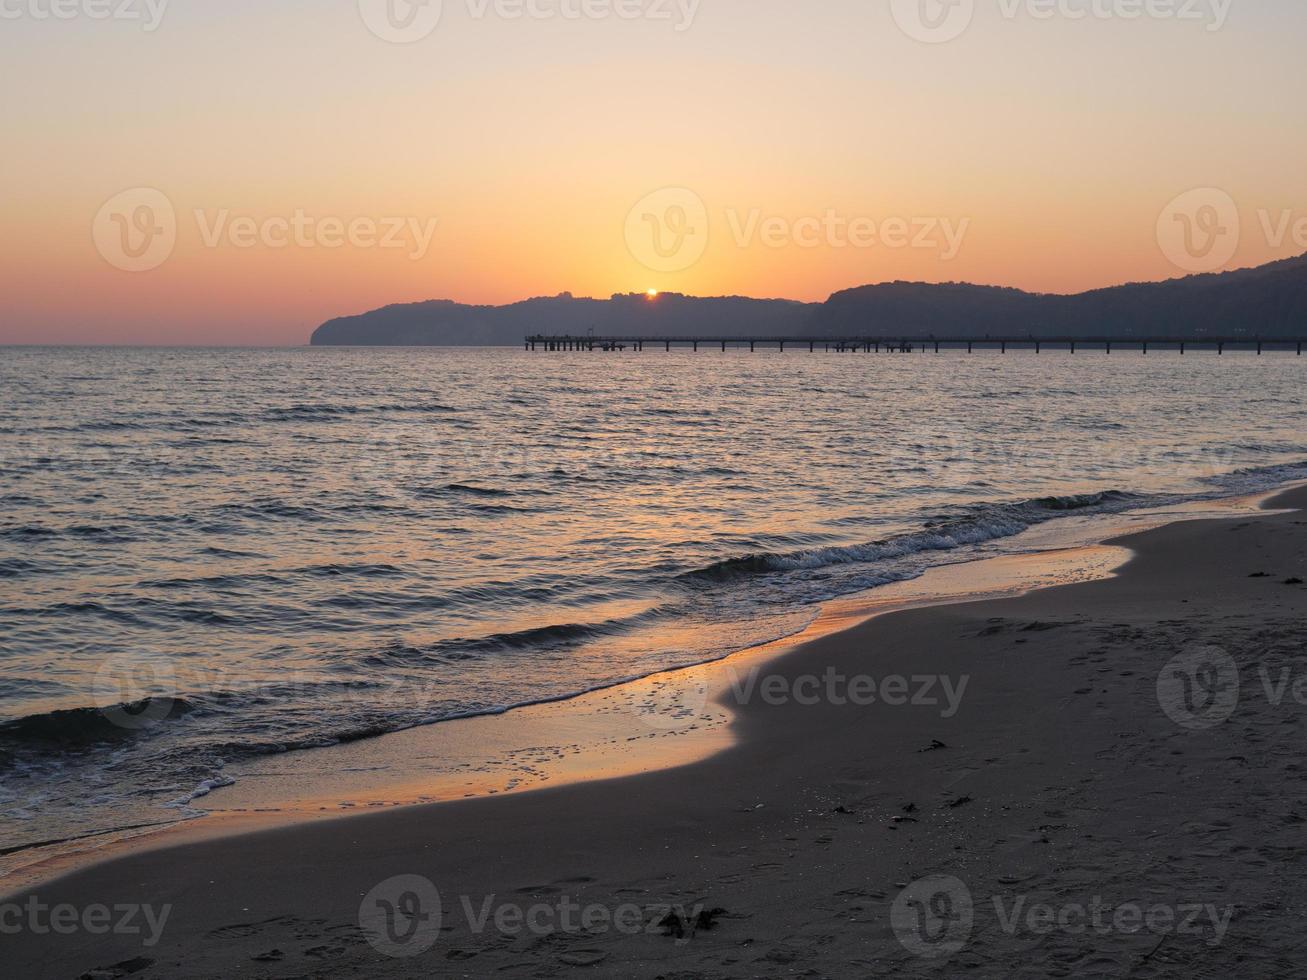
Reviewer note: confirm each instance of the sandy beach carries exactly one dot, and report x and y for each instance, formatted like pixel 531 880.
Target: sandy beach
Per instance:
pixel 1101 779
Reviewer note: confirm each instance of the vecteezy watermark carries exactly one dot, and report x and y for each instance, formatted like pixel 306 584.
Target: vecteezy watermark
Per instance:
pixel 303 230
pixel 39 919
pixel 679 13
pixel 934 918
pixel 668 230
pixel 401 21
pixel 402 917
pixel 1284 227
pixel 1202 688
pixel 1202 920
pixel 831 229
pixel 1199 688
pixel 1201 230
pixel 137 230
pixel 408 21
pixel 136 691
pixel 564 915
pixel 933 21
pixel 833 687
pixel 148 13
pixel 673 702
pixel 940 21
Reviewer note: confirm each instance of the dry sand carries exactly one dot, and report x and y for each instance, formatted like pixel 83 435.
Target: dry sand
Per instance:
pixel 1103 779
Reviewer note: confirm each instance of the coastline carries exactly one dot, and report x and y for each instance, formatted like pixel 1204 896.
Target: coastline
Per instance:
pixel 664 720
pixel 810 825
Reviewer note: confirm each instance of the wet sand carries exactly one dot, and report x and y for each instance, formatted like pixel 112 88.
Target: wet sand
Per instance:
pixel 1095 779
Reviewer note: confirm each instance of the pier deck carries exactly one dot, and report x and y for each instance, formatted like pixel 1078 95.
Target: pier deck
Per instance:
pixel 913 344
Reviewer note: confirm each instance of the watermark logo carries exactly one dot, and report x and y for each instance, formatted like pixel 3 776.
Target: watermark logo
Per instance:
pixel 833 230
pixel 401 916
pixel 1199 688
pixel 148 13
pixel 1285 227
pixel 564 915
pixel 667 231
pixel 407 21
pixel 39 919
pixel 1213 14
pixel 681 13
pixel 303 230
pixel 401 21
pixel 1199 231
pixel 933 917
pixel 136 231
pixel 136 690
pixel 938 692
pixel 933 21
pixel 941 21
pixel 673 703
pixel 1189 919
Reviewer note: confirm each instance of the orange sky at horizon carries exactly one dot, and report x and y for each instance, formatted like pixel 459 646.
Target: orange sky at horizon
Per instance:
pixel 820 149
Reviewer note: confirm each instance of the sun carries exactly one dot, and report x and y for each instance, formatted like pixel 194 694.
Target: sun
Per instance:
pixel 652 293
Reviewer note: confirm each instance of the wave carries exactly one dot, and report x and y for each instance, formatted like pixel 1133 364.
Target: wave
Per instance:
pixel 271 509
pixel 340 570
pixel 1252 479
pixel 28 532
pixel 987 523
pixel 116 534
pixel 311 413
pixel 110 425
pixel 60 610
pixel 460 489
pixel 500 509
pixel 81 727
pixel 16 567
pixel 155 421
pixel 552 637
pixel 330 413
pixel 205 787
pixel 432 408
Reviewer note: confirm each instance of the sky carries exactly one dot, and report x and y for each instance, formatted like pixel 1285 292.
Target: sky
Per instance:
pixel 237 172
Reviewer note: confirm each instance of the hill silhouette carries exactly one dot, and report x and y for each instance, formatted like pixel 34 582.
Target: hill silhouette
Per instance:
pixel 444 323
pixel 1267 301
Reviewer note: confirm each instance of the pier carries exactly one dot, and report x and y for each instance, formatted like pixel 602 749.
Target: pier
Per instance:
pixel 913 344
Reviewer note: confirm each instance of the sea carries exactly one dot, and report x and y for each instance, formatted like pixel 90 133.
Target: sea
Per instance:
pixel 212 555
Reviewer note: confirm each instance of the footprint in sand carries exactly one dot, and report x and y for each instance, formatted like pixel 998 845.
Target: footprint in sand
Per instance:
pixel 672 703
pixel 244 930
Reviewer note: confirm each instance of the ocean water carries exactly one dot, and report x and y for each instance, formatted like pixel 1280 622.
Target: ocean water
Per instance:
pixel 212 554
